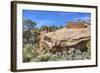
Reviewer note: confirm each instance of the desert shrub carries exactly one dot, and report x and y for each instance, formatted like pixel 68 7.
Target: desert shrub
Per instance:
pixel 55 57
pixel 29 51
pixel 89 48
pixel 26 54
pixel 30 54
pixel 30 37
pixel 42 57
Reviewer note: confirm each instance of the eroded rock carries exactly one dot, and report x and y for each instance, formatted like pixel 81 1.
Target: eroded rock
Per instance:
pixel 65 38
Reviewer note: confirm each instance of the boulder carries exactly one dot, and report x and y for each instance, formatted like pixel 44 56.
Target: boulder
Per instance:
pixel 66 38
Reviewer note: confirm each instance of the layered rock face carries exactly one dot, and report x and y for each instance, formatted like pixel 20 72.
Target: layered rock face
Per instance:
pixel 67 38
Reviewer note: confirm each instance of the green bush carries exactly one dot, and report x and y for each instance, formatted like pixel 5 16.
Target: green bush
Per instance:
pixel 89 48
pixel 41 57
pixel 30 54
pixel 26 54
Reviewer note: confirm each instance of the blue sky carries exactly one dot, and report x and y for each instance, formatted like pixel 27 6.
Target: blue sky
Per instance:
pixel 56 18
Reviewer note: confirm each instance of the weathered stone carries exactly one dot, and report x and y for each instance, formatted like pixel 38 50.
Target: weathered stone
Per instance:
pixel 66 38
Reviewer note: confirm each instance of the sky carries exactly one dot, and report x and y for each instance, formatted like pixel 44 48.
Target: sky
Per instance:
pixel 57 18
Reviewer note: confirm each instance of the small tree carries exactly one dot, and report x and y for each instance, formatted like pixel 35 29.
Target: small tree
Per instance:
pixel 28 24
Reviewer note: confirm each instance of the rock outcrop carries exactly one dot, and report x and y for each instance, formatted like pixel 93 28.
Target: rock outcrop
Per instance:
pixel 65 38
